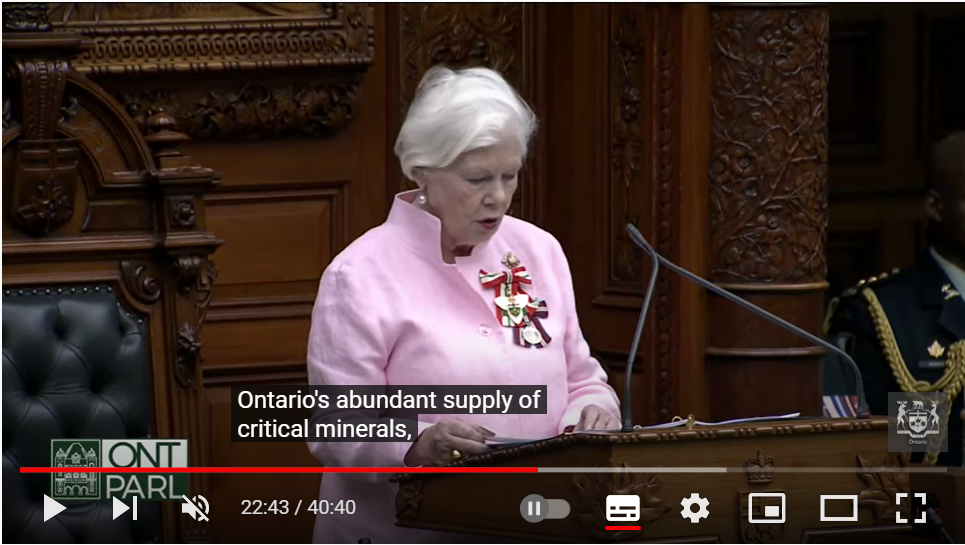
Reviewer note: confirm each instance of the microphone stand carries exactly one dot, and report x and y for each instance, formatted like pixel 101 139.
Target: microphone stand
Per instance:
pixel 627 418
pixel 637 238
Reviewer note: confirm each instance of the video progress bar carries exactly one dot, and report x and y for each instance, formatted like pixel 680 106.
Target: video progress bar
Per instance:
pixel 741 470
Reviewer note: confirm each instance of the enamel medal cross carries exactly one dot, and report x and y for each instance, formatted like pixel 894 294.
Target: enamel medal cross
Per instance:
pixel 514 307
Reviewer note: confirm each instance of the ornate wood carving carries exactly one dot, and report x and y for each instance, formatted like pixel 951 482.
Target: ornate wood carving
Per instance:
pixel 133 38
pixel 140 281
pixel 408 502
pixel 25 17
pixel 627 65
pixel 768 175
pixel 189 354
pixel 252 110
pixel 45 177
pixel 667 25
pixel 459 35
pixel 42 82
pixel 880 487
pixel 182 212
pixel 593 488
pixel 760 470
pixel 45 183
pixel 187 250
pixel 7 114
pixel 195 277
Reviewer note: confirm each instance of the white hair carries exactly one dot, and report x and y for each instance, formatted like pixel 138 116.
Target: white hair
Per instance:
pixel 456 111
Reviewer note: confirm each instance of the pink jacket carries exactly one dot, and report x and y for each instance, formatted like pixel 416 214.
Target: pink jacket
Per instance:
pixel 391 311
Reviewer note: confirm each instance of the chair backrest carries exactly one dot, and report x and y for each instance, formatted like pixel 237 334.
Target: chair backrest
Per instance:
pixel 76 364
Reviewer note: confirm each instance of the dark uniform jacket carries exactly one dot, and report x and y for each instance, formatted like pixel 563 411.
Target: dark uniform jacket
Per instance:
pixel 927 315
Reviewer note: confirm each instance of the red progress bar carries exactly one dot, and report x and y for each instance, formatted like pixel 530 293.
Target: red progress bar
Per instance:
pixel 622 527
pixel 278 470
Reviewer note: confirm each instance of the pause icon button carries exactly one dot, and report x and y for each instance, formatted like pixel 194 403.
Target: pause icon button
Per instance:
pixel 533 508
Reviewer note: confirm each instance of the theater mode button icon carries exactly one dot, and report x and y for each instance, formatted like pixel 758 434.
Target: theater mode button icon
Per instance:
pixel 852 517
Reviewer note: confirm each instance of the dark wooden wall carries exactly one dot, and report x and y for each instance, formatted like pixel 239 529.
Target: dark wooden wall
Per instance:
pixel 650 114
pixel 894 92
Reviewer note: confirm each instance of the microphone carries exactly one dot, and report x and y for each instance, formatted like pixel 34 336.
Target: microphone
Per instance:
pixel 627 394
pixel 638 239
pixel 936 522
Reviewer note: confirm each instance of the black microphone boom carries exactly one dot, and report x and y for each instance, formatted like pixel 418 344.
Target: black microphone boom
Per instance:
pixel 627 418
pixel 638 239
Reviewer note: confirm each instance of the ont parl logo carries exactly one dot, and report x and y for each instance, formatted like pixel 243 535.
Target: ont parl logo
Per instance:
pixel 78 454
pixel 917 422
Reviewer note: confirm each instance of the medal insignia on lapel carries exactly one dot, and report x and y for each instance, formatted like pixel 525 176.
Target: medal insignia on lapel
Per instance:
pixel 949 292
pixel 514 307
pixel 936 350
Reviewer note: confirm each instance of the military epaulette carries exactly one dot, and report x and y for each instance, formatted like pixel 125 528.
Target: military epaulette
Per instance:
pixel 851 292
pixel 872 281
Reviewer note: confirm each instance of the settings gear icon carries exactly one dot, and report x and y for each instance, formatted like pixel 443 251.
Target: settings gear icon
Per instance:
pixel 688 511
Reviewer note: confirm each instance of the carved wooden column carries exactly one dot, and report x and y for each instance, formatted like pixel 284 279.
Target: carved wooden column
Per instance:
pixel 768 205
pixel 187 246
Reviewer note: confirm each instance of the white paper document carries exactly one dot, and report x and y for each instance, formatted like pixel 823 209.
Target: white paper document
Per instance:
pixel 682 423
pixel 506 441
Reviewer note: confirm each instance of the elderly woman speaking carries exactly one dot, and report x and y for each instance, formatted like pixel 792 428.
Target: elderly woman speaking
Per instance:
pixel 431 297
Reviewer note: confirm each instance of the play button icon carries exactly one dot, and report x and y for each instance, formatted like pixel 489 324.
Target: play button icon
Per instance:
pixel 119 508
pixel 52 508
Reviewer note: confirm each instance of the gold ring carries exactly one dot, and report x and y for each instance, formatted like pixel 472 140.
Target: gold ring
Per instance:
pixel 455 455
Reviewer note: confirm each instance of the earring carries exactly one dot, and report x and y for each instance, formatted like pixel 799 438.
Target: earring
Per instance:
pixel 421 198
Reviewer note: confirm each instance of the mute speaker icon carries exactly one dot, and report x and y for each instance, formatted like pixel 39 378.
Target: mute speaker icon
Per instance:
pixel 197 509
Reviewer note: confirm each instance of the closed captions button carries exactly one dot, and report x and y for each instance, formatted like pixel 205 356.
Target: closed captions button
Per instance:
pixel 535 508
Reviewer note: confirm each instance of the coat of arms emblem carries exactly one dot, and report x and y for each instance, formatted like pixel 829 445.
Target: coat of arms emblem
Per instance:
pixel 918 423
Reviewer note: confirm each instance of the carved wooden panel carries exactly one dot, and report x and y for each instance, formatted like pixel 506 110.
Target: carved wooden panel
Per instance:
pixel 250 110
pixel 768 178
pixel 459 35
pixel 768 204
pixel 856 91
pixel 629 192
pixel 134 37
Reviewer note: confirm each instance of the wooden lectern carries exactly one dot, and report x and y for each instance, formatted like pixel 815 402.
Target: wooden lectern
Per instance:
pixel 803 459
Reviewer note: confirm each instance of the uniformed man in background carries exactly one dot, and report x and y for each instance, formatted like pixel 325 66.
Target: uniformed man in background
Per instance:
pixel 905 329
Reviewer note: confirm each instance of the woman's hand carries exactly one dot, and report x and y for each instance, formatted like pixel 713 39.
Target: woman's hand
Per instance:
pixel 595 418
pixel 435 445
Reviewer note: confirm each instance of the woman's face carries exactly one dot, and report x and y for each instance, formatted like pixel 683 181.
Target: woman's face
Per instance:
pixel 471 196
